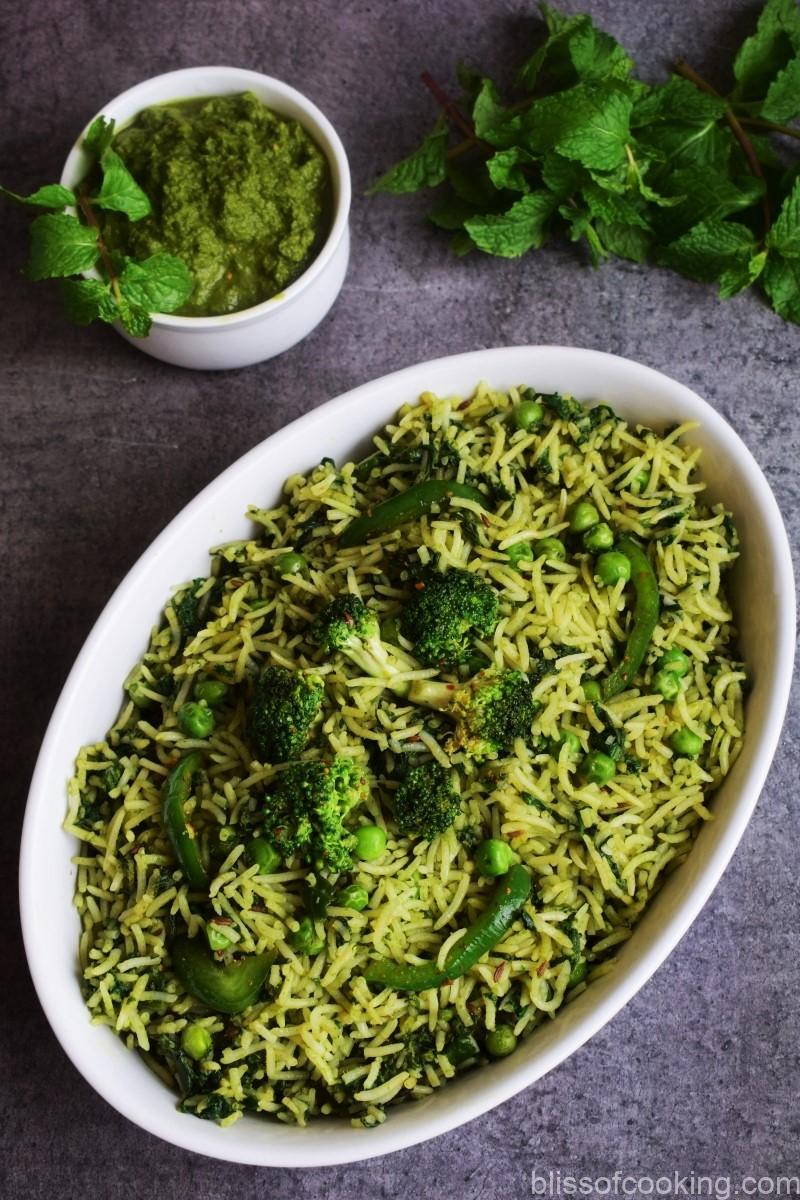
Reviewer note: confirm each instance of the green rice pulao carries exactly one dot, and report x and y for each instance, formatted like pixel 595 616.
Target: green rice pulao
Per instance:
pixel 319 1039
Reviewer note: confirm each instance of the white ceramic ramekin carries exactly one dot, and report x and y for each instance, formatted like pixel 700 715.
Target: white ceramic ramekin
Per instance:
pixel 762 589
pixel 239 339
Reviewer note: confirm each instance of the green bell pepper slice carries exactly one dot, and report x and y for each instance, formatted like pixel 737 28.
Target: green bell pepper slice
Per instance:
pixel 176 790
pixel 406 506
pixel 226 988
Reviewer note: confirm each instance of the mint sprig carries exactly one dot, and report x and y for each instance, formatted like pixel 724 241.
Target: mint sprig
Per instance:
pixel 674 174
pixel 64 245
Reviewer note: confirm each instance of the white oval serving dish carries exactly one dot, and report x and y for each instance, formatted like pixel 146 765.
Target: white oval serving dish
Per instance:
pixel 241 338
pixel 763 592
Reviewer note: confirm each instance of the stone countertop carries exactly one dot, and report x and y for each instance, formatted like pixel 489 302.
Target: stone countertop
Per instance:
pixel 102 446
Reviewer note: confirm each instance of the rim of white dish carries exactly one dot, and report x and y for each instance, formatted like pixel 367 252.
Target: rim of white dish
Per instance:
pixel 323 134
pixel 399 1133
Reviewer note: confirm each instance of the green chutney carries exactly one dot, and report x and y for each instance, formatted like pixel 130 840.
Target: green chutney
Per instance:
pixel 239 193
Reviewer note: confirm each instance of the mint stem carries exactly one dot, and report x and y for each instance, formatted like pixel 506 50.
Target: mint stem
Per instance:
pixel 772 126
pixel 468 143
pixel 452 110
pixel 85 205
pixel 682 68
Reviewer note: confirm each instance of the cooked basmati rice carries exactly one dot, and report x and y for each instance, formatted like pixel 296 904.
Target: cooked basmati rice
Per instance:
pixel 321 1041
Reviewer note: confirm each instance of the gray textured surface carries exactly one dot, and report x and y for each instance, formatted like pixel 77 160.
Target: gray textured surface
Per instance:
pixel 101 446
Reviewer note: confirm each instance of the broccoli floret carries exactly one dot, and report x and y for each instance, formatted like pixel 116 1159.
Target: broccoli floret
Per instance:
pixel 425 802
pixel 448 609
pixel 490 710
pixel 305 813
pixel 280 715
pixel 346 625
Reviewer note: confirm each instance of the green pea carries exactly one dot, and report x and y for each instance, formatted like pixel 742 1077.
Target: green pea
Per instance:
pixel 494 857
pixel 304 939
pixel 675 661
pixel 370 842
pixel 528 414
pixel 598 767
pixel 582 516
pixel 601 537
pixel 571 740
pixel 639 481
pixel 355 896
pixel 196 719
pixel 550 547
pixel 462 1048
pixel 501 1042
pixel 667 684
pixel 611 567
pixel 263 855
pixel 686 743
pixel 291 563
pixel 592 692
pixel 212 692
pixel 518 552
pixel 196 1041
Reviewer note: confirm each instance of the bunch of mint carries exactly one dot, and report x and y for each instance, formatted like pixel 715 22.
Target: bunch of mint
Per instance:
pixel 675 174
pixel 63 245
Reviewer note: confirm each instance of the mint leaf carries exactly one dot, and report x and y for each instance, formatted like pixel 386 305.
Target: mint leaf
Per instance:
pixel 471 182
pixel 52 195
pixel 559 26
pixel 737 278
pixel 426 167
pixel 98 136
pixel 511 233
pixel 561 175
pixel 784 236
pixel 87 300
pixel 134 320
pixel 782 101
pixel 452 213
pixel 679 144
pixel 597 139
pixel 710 249
pixel 580 225
pixel 643 172
pixel 119 191
pixel 614 209
pixel 637 168
pixel 588 123
pixel 596 55
pixel 626 241
pixel 763 148
pixel 60 245
pixel 461 243
pixel 575 50
pixel 469 80
pixel 160 283
pixel 493 122
pixel 506 169
pixel 705 195
pixel 781 280
pixel 769 50
pixel 680 125
pixel 677 100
